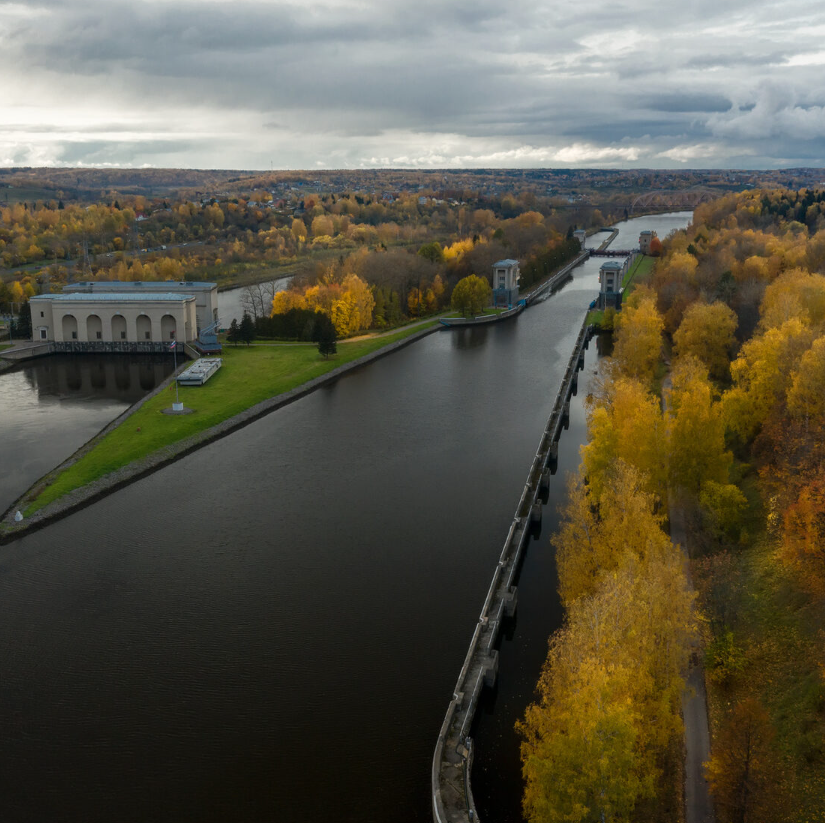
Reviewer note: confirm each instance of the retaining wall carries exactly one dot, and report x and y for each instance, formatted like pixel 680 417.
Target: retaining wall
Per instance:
pixel 452 796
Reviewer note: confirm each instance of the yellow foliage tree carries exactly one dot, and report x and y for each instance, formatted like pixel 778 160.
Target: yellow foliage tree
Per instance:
pixel 609 695
pixel 707 332
pixel 794 294
pixel 806 396
pixel 597 532
pixel 286 300
pixel 638 340
pixel 696 429
pixel 761 374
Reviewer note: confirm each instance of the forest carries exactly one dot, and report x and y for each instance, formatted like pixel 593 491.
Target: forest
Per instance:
pixel 710 410
pixel 407 254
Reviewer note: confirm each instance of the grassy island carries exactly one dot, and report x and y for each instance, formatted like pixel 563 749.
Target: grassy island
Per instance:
pixel 250 374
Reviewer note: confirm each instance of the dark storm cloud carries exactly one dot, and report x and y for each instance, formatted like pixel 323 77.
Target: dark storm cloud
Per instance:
pixel 353 81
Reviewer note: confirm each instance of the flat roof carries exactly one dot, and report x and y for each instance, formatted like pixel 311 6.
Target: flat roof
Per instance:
pixel 611 264
pixel 506 263
pixel 112 297
pixel 139 284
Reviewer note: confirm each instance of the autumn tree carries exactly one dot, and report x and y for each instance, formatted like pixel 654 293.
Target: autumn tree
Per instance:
pixel 707 332
pixel 761 374
pixel 609 695
pixel 470 295
pixel 597 532
pixel 638 340
pixel 742 770
pixel 696 429
pixel 626 424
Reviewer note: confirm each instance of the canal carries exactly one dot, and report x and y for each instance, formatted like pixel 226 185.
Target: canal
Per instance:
pixel 271 628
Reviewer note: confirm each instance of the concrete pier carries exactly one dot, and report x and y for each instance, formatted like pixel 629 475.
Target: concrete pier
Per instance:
pixel 452 795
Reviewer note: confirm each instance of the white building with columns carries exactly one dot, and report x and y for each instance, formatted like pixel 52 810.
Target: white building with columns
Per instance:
pixel 107 321
pixel 206 294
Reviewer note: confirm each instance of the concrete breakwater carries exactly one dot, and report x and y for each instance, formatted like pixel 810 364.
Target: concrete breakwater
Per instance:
pixel 452 797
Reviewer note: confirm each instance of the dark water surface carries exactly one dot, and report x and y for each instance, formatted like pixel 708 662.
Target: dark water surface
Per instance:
pixel 271 628
pixel 51 406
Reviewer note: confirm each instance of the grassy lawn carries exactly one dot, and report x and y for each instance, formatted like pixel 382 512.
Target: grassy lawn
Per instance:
pixel 639 271
pixel 489 310
pixel 248 376
pixel 5 346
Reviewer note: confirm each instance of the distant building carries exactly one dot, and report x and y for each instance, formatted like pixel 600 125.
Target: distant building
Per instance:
pixel 581 236
pixel 206 294
pixel 107 321
pixel 505 282
pixel 645 239
pixel 611 274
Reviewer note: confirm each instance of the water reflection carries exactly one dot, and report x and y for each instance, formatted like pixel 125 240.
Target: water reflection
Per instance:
pixel 469 337
pixel 79 378
pixel 51 406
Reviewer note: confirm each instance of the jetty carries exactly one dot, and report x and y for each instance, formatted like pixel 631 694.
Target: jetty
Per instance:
pixel 452 795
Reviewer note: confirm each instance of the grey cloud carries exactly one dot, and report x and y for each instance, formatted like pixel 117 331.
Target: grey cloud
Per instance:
pixel 345 82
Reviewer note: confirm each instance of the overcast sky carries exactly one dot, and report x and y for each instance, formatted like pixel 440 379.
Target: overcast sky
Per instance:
pixel 462 83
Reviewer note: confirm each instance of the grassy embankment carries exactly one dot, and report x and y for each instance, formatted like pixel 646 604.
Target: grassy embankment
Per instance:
pixel 488 311
pixel 249 376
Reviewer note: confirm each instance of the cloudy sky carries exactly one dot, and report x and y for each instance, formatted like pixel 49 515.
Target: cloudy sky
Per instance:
pixel 459 83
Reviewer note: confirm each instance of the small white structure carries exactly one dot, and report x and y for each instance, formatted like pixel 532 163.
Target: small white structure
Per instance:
pixel 200 371
pixel 505 282
pixel 645 239
pixel 581 236
pixel 114 322
pixel 205 294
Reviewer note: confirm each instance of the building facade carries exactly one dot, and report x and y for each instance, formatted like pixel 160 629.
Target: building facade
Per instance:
pixel 611 275
pixel 114 322
pixel 645 239
pixel 205 294
pixel 505 282
pixel 581 236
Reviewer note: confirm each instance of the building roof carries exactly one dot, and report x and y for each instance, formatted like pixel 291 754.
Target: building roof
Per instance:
pixel 646 231
pixel 115 297
pixel 506 263
pixel 611 264
pixel 138 285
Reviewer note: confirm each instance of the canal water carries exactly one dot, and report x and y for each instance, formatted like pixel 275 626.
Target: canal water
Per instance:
pixel 271 628
pixel 51 406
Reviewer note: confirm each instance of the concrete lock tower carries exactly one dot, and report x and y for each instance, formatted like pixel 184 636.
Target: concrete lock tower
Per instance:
pixel 505 282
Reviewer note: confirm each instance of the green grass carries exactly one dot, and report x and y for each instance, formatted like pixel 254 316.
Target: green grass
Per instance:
pixel 640 271
pixel 5 346
pixel 248 376
pixel 488 310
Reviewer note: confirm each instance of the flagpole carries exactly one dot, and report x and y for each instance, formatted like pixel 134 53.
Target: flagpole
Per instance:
pixel 175 353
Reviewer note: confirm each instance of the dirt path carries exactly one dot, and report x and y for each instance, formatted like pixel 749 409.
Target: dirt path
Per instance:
pixel 698 805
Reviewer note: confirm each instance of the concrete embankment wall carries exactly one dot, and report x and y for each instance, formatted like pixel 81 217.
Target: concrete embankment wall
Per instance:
pixel 82 497
pixel 452 796
pixel 560 276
